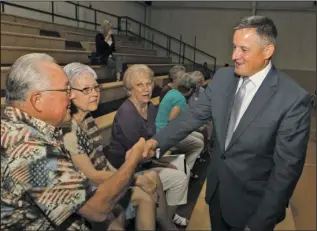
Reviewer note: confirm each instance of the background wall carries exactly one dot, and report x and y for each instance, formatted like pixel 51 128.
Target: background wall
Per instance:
pixel 212 23
pixel 121 8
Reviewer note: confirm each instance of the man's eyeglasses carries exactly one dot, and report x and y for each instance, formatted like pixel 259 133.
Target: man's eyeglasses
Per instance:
pixel 88 90
pixel 67 90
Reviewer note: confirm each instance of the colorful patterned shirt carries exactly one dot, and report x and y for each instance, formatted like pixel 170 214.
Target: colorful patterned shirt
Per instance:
pixel 37 176
pixel 84 138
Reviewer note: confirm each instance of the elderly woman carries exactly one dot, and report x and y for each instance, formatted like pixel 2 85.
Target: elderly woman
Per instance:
pixel 172 105
pixel 136 118
pixel 82 140
pixel 105 46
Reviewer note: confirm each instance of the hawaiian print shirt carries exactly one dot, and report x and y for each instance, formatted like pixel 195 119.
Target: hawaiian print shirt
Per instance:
pixel 40 186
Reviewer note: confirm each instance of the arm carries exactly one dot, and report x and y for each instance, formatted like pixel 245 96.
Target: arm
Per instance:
pixel 83 163
pixel 289 158
pixel 111 190
pixel 185 123
pixel 174 113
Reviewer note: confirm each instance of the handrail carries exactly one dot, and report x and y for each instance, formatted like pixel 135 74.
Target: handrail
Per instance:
pixel 119 28
pixel 151 28
pixel 53 14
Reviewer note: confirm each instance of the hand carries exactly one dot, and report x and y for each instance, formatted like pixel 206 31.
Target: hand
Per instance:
pixel 136 151
pixel 150 148
pixel 149 186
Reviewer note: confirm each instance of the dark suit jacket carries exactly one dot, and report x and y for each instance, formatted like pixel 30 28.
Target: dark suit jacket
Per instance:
pixel 261 166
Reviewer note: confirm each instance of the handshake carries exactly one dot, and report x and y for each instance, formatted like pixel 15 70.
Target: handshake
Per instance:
pixel 142 150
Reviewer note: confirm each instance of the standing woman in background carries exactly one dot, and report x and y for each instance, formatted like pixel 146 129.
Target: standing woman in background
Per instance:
pixel 105 46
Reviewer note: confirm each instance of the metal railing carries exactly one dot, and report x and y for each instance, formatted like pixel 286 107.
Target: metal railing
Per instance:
pixel 129 26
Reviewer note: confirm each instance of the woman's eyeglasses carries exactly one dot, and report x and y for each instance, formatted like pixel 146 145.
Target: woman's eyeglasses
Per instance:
pixel 88 90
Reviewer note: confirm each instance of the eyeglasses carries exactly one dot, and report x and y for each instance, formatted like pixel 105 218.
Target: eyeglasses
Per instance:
pixel 68 90
pixel 88 90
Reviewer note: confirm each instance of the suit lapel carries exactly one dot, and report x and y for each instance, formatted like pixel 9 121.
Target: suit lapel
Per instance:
pixel 224 114
pixel 259 102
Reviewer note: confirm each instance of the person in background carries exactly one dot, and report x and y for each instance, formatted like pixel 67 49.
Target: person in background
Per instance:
pixel 173 105
pixel 106 46
pixel 175 75
pixel 206 72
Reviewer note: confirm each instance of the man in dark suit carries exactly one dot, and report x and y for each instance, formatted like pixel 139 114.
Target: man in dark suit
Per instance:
pixel 261 124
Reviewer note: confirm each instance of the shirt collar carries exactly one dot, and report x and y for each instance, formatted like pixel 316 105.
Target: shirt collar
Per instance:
pixel 15 115
pixel 258 77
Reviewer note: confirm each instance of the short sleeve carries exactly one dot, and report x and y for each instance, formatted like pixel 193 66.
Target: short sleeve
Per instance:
pixel 71 144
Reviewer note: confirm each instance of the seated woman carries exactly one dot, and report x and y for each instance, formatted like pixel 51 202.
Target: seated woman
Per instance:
pixel 105 46
pixel 83 141
pixel 174 103
pixel 136 118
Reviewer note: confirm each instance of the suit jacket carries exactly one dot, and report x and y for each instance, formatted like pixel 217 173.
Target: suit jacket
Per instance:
pixel 259 170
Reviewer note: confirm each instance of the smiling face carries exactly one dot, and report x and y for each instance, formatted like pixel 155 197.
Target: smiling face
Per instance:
pixel 85 102
pixel 141 87
pixel 250 53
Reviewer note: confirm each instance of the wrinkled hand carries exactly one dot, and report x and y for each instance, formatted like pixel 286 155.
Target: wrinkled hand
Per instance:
pixel 148 186
pixel 150 148
pixel 136 151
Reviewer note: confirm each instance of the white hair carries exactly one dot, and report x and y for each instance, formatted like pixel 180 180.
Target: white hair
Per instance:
pixel 76 70
pixel 26 75
pixel 197 76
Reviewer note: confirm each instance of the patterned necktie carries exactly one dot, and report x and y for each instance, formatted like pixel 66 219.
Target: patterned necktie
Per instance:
pixel 238 99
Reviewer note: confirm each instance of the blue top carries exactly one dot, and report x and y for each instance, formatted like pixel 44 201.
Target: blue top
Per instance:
pixel 172 99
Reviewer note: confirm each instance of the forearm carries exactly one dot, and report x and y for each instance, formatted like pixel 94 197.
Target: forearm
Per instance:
pixel 101 176
pixel 110 191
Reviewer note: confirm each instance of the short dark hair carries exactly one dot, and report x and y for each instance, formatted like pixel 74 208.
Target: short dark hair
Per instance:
pixel 264 26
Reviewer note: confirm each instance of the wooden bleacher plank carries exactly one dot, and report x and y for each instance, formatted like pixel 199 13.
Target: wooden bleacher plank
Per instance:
pixel 19 27
pixel 45 24
pixel 9 54
pixel 28 40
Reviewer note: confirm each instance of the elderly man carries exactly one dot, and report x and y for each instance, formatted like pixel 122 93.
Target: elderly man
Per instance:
pixel 40 187
pixel 261 120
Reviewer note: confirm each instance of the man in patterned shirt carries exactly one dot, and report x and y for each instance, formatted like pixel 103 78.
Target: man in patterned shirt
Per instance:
pixel 40 187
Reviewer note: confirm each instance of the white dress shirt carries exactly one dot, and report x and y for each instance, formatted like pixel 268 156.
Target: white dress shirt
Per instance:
pixel 251 88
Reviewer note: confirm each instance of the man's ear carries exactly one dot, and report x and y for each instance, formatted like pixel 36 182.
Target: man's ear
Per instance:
pixel 36 101
pixel 269 51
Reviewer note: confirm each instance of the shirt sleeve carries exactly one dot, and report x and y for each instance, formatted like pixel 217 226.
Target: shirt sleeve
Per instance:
pixel 129 125
pixel 71 144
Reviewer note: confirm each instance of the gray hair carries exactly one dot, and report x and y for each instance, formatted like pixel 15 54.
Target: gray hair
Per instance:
pixel 186 83
pixel 76 70
pixel 265 27
pixel 176 72
pixel 197 76
pixel 135 70
pixel 26 75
